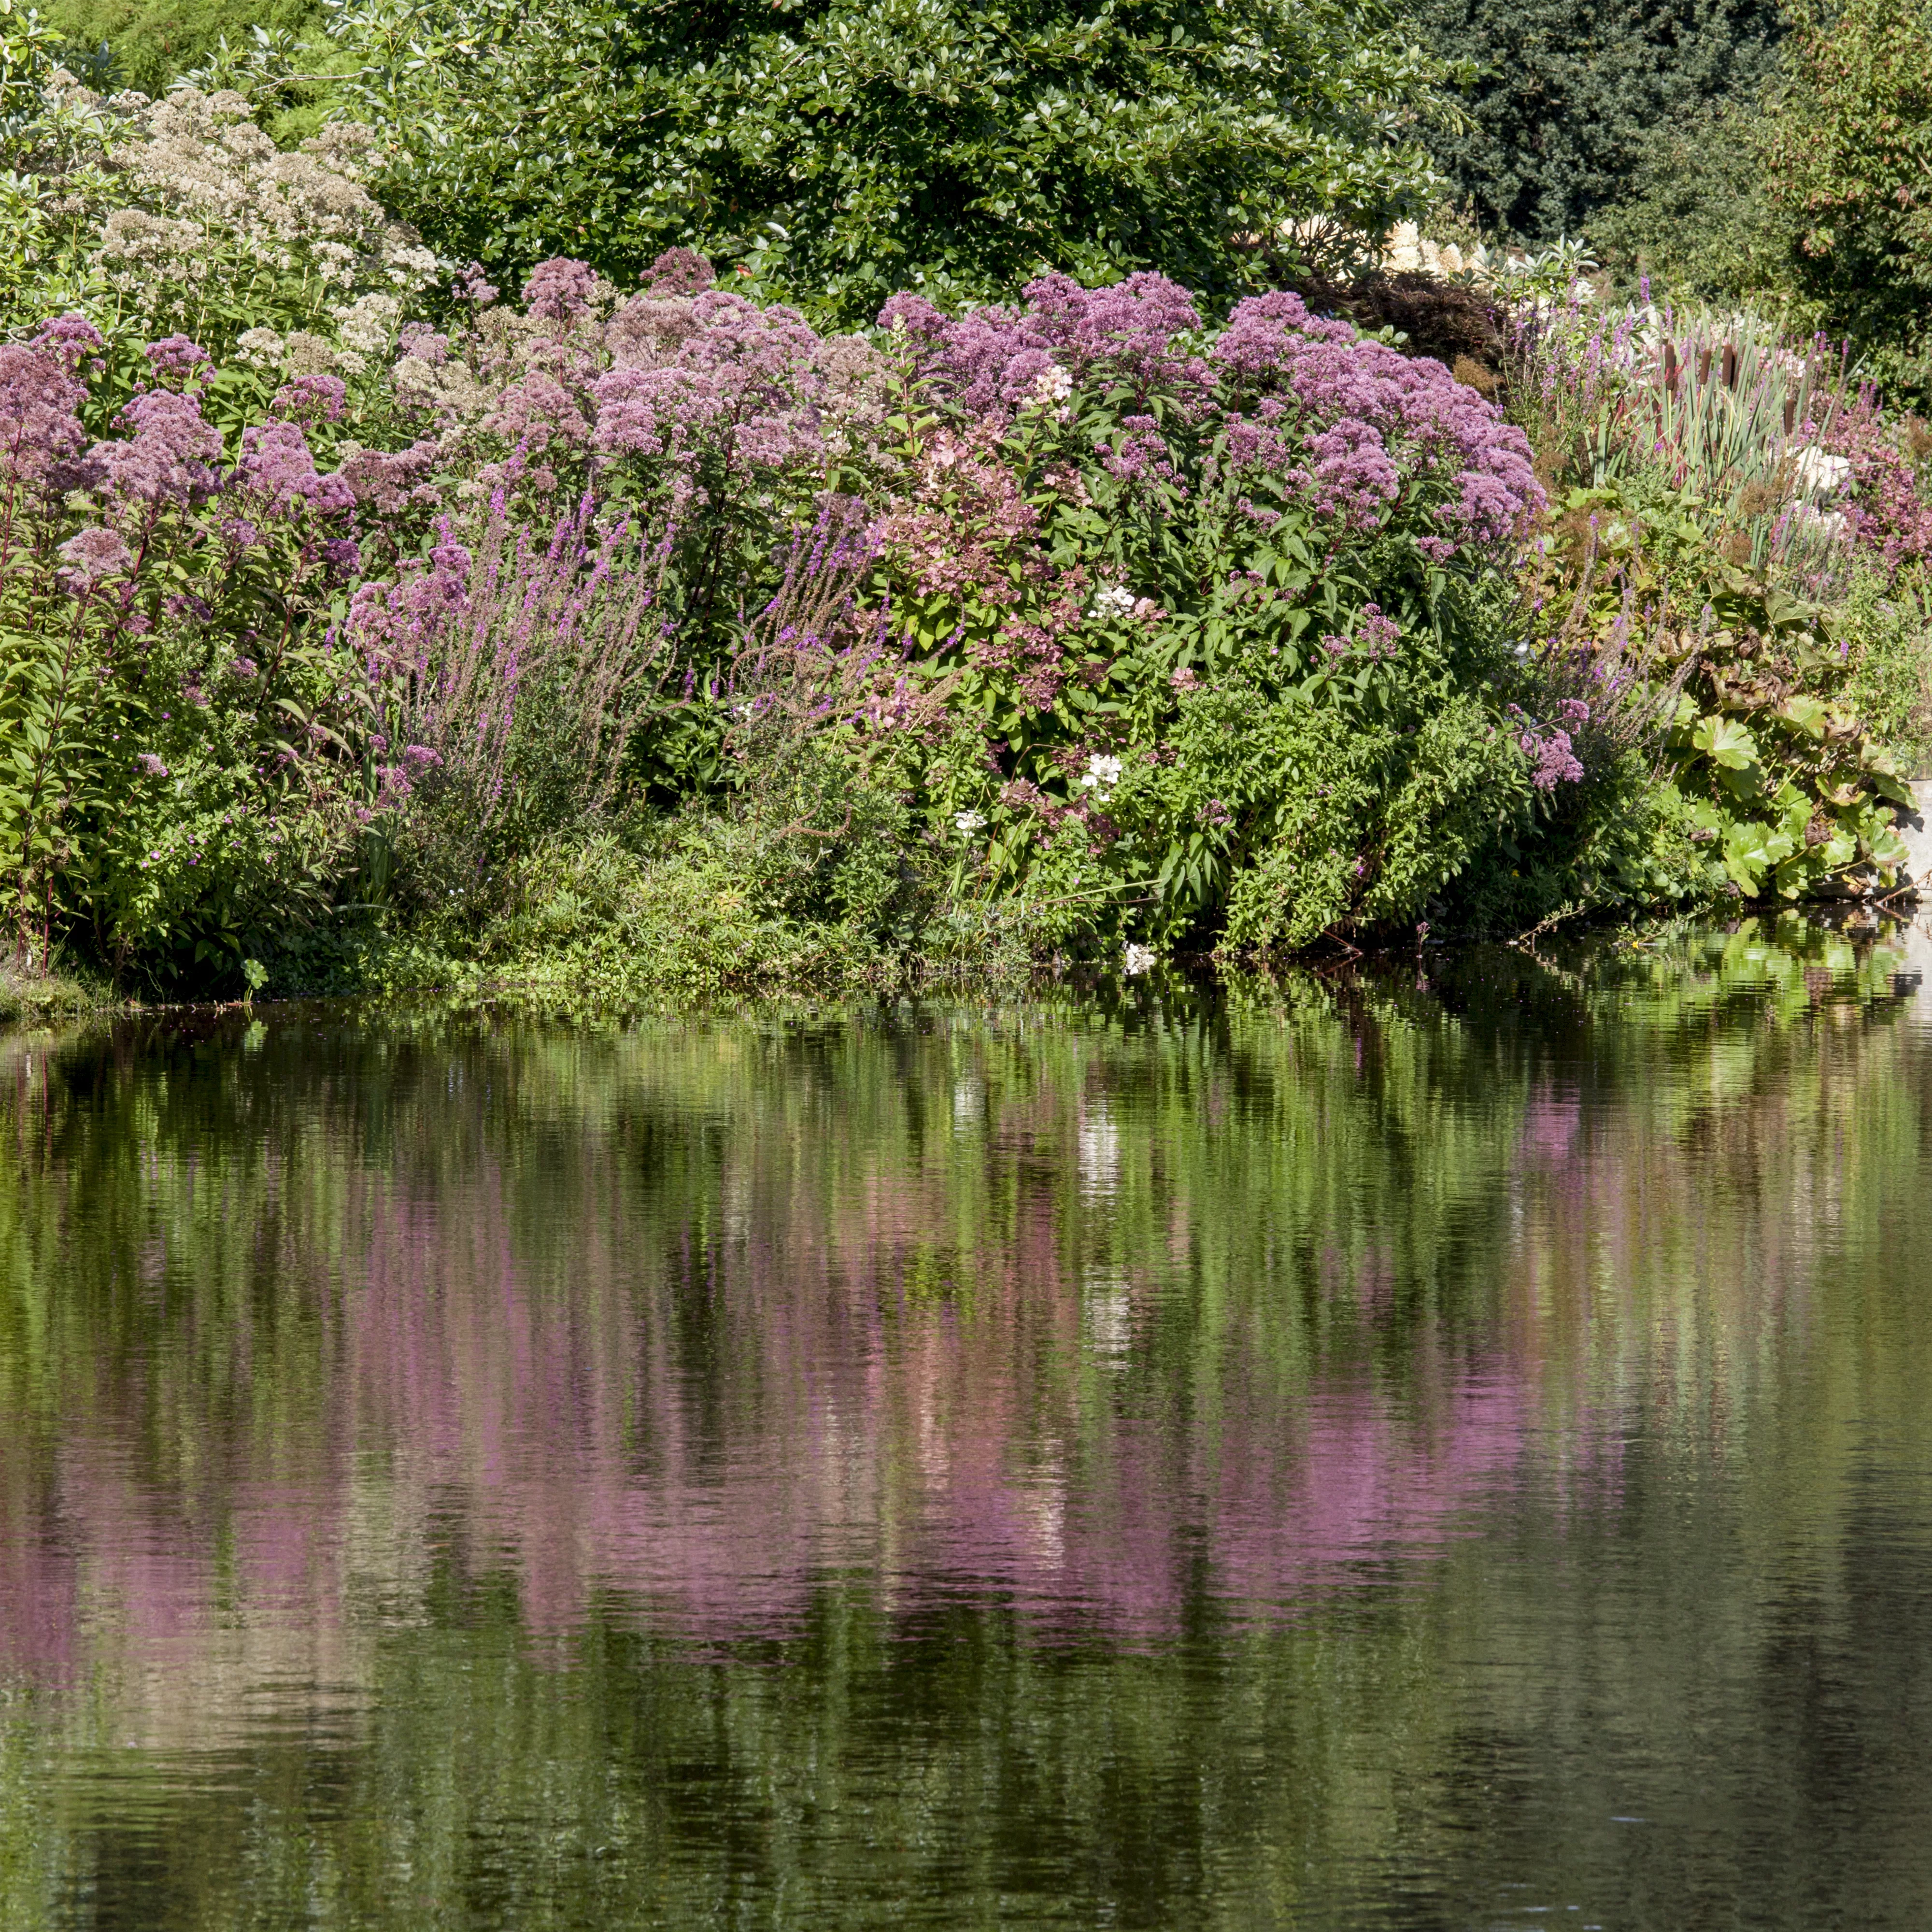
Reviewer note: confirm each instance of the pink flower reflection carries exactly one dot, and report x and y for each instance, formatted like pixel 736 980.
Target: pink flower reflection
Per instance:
pixel 705 1433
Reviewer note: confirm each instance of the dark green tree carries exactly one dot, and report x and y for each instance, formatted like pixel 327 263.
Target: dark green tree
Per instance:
pixel 1696 222
pixel 1565 98
pixel 841 149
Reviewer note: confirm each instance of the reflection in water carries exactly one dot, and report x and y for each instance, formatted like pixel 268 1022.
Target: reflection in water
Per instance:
pixel 1321 1455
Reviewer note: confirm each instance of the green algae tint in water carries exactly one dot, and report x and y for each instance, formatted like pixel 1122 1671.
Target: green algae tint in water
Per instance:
pixel 1380 1453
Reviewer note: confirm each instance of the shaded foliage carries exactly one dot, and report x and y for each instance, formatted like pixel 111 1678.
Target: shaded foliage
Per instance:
pixel 1848 162
pixel 1563 98
pixel 144 43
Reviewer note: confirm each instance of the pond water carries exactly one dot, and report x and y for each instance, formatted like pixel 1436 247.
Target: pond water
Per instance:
pixel 1442 1447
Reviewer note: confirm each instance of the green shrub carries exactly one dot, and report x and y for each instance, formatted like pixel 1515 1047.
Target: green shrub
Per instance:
pixel 837 151
pixel 1847 166
pixel 145 43
pixel 808 878
pixel 1883 631
pixel 1368 822
pixel 1790 790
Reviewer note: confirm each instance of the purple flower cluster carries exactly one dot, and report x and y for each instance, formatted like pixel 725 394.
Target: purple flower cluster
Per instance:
pixel 471 286
pixel 1549 748
pixel 94 556
pixel 1350 423
pixel 1142 452
pixel 993 360
pixel 679 271
pixel 682 376
pixel 398 626
pixel 168 457
pixel 277 471
pixel 177 361
pixel 1374 420
pixel 389 482
pixel 712 370
pixel 560 290
pixel 310 399
pixel 1375 635
pixel 1887 514
pixel 41 399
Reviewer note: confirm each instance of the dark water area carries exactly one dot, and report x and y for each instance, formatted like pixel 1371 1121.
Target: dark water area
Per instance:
pixel 1439 1447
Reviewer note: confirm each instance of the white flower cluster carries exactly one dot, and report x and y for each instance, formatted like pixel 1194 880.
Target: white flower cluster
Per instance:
pixel 1112 600
pixel 1819 473
pixel 1137 959
pixel 300 353
pixel 1408 249
pixel 1052 386
pixel 968 822
pixel 1103 773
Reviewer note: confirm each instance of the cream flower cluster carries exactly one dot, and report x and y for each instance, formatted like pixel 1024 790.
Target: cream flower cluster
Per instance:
pixel 186 196
pixel 1408 250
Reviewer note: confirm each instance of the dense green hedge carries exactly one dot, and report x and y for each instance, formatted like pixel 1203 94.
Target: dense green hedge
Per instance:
pixel 842 149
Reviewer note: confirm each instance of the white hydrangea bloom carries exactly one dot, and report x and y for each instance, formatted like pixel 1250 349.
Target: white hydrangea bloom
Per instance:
pixel 1052 386
pixel 1819 473
pixel 1112 600
pixel 1103 772
pixel 260 348
pixel 367 324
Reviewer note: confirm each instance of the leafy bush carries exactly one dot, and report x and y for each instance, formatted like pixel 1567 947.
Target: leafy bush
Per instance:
pixel 661 639
pixel 1704 547
pixel 1847 176
pixel 146 44
pixel 1119 526
pixel 172 722
pixel 840 150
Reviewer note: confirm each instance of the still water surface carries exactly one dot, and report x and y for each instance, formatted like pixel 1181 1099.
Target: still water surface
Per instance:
pixel 1442 1448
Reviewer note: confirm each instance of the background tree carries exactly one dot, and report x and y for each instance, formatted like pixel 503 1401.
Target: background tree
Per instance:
pixel 839 150
pixel 1696 221
pixel 1564 98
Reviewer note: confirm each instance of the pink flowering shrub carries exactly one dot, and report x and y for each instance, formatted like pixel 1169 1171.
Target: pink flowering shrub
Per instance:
pixel 182 737
pixel 1121 516
pixel 1887 514
pixel 378 632
pixel 507 673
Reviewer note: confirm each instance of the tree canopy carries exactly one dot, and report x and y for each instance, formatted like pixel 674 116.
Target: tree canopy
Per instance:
pixel 1563 98
pixel 1848 164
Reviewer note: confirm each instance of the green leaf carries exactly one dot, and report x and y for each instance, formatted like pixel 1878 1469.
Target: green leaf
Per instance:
pixel 1809 714
pixel 1725 741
